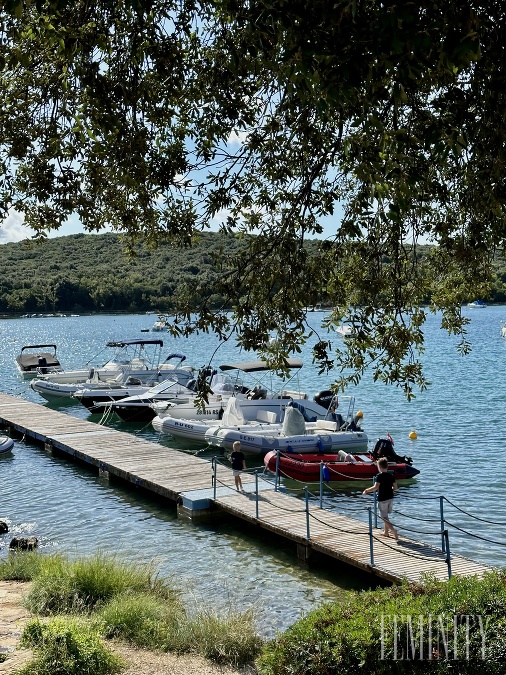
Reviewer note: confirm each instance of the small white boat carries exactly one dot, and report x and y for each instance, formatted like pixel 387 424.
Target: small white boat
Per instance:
pixel 6 444
pixel 98 399
pixel 345 330
pixel 33 361
pixel 295 434
pixel 134 354
pixel 477 304
pixel 160 324
pixel 118 373
pixel 190 423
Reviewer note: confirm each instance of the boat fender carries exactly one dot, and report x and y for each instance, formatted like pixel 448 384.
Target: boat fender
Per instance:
pixel 319 444
pixel 326 473
pixel 289 448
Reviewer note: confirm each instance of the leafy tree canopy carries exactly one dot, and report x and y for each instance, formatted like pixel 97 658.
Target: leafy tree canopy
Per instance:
pixel 158 117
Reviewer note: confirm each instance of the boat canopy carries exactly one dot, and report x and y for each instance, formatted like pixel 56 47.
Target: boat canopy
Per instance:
pixel 182 357
pixel 126 343
pixel 257 366
pixel 37 347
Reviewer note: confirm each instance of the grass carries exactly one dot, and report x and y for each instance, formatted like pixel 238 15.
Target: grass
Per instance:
pixel 92 599
pixel 25 565
pixel 84 584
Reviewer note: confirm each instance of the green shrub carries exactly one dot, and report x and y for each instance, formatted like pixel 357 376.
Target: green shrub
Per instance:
pixel 82 584
pixel 357 635
pixel 67 646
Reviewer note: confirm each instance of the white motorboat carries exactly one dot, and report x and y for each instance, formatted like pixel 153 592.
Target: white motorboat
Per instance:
pixel 140 407
pixel 191 423
pixel 135 354
pixel 6 444
pixel 160 324
pixel 102 398
pixel 295 435
pixel 138 372
pixel 345 330
pixel 476 304
pixel 33 361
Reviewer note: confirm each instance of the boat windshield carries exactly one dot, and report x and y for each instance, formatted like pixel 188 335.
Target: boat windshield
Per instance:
pixel 163 386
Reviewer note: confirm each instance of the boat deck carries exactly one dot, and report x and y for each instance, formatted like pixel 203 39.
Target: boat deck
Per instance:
pixel 184 478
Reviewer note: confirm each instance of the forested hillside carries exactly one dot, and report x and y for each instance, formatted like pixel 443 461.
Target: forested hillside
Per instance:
pixel 92 273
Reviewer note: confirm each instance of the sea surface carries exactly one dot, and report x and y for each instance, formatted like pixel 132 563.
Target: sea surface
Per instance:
pixel 460 451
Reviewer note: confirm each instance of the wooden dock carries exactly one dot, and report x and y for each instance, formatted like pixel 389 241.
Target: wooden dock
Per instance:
pixel 188 481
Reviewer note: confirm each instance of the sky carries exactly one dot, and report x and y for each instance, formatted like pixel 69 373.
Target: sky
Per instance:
pixel 12 229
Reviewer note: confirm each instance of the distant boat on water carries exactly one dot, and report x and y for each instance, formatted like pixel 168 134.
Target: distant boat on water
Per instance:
pixel 345 330
pixel 478 304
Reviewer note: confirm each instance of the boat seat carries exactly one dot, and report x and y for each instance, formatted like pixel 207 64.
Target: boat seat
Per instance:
pixel 267 416
pixel 326 424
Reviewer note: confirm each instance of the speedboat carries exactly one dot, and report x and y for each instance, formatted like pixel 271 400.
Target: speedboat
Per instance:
pixel 133 354
pixel 160 324
pixel 107 397
pixel 32 361
pixel 341 466
pixel 345 330
pixel 136 372
pixel 476 304
pixel 139 407
pixel 294 434
pixel 6 444
pixel 191 422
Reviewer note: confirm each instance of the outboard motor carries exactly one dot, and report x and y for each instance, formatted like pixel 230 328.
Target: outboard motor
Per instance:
pixel 385 448
pixel 324 398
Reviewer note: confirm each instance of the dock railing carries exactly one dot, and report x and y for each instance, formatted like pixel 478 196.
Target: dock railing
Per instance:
pixel 314 502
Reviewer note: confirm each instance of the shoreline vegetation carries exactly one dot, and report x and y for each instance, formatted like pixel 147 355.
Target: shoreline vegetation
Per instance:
pixel 101 615
pixel 92 273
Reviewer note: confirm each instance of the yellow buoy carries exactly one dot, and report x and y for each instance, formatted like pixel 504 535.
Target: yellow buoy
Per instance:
pixel 360 414
pixel 412 435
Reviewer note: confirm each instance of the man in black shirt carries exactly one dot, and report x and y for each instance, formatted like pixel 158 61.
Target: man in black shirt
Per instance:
pixel 385 484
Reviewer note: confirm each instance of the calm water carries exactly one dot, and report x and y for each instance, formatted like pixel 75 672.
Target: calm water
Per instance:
pixel 460 451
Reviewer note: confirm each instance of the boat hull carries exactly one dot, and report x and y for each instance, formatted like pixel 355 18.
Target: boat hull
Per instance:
pixel 265 441
pixel 307 468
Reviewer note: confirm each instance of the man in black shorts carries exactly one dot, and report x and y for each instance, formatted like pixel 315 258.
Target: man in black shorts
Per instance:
pixel 385 484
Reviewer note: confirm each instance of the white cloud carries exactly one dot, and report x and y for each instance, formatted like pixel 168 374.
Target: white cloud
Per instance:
pixel 12 229
pixel 238 138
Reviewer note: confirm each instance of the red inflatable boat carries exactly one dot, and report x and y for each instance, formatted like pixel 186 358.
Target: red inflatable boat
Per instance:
pixel 306 467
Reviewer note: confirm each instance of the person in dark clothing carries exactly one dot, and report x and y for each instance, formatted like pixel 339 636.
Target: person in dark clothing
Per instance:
pixel 384 484
pixel 238 464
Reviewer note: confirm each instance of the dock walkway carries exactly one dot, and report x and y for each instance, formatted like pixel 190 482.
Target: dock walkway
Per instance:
pixel 188 481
